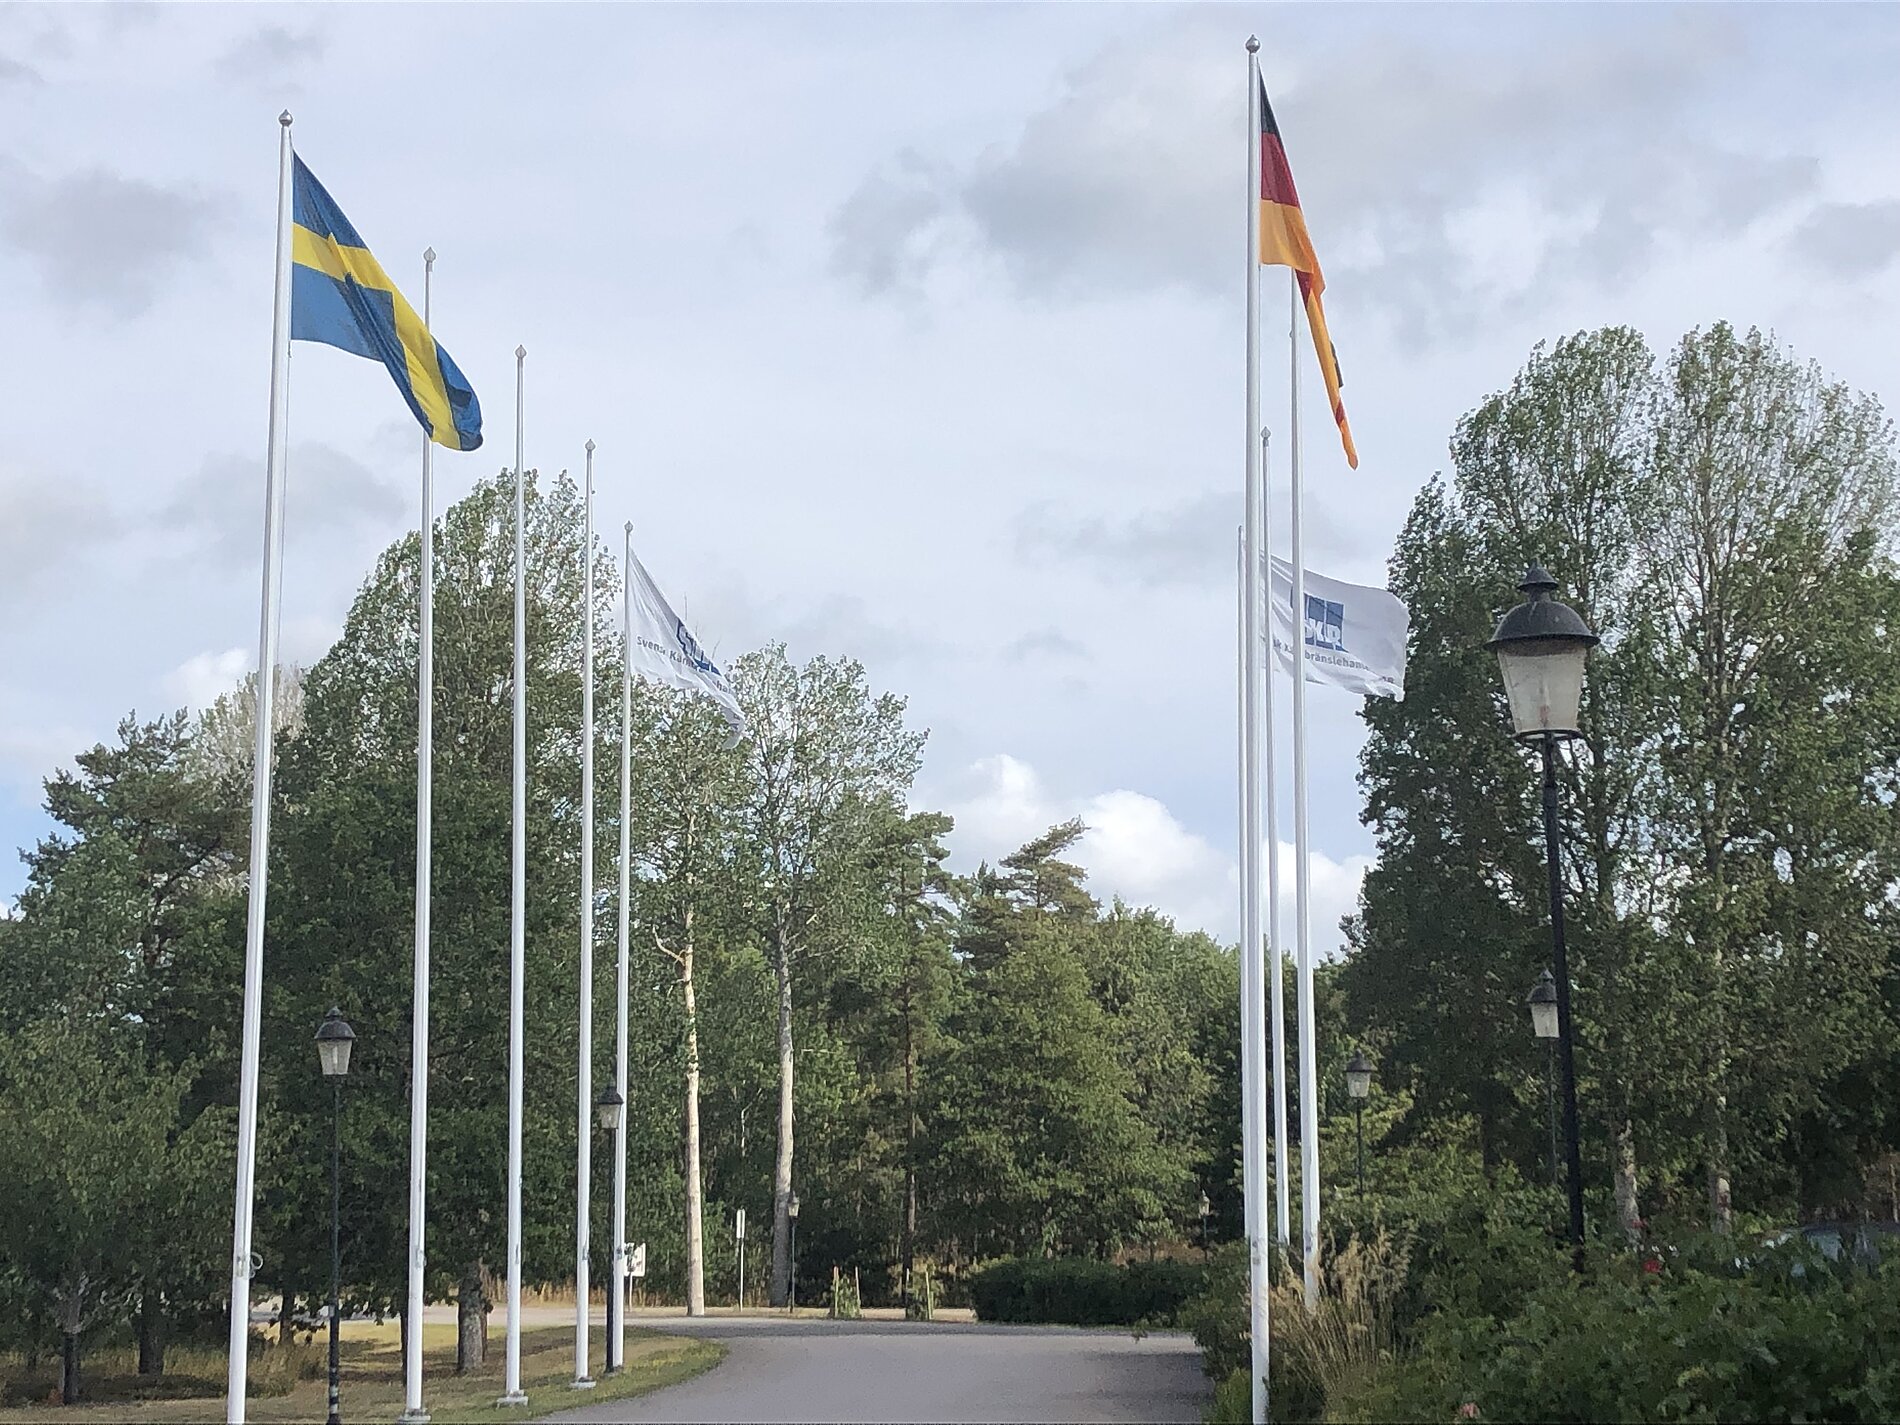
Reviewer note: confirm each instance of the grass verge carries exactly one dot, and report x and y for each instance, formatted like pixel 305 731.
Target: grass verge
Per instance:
pixel 192 1388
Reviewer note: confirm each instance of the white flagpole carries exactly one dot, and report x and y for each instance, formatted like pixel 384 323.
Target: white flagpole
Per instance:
pixel 413 1411
pixel 615 1335
pixel 1302 929
pixel 1253 1106
pixel 1249 852
pixel 584 1147
pixel 1276 951
pixel 261 748
pixel 512 1393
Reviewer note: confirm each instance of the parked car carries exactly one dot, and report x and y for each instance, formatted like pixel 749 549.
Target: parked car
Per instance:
pixel 1861 1243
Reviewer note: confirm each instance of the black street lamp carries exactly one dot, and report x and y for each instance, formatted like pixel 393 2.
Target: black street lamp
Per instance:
pixel 607 1110
pixel 1541 646
pixel 1358 1085
pixel 334 1039
pixel 791 1274
pixel 1543 1002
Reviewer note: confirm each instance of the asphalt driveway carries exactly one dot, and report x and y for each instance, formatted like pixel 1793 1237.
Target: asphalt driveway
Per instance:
pixel 873 1371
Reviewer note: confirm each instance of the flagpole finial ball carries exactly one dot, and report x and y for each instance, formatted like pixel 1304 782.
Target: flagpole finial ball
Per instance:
pixel 629 529
pixel 428 254
pixel 1253 44
pixel 590 447
pixel 521 353
pixel 284 118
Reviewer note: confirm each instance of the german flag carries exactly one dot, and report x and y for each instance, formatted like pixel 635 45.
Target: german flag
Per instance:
pixel 1284 243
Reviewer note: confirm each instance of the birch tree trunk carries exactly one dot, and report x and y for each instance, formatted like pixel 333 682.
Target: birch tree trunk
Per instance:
pixel 1623 1177
pixel 782 1266
pixel 695 1205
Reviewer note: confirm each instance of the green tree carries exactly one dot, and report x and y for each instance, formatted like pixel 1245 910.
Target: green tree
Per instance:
pixel 1770 494
pixel 342 907
pixel 1035 1125
pixel 120 904
pixel 96 1164
pixel 687 792
pixel 1728 831
pixel 824 759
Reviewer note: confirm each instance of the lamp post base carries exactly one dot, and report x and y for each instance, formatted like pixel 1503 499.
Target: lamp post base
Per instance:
pixel 583 1383
pixel 418 1416
pixel 512 1398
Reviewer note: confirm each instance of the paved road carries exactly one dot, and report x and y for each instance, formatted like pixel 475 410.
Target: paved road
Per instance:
pixel 838 1371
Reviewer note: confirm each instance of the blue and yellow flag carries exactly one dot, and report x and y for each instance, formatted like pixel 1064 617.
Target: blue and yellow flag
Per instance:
pixel 340 296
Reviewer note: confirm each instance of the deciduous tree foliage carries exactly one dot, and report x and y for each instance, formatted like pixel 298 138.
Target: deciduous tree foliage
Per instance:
pixel 1723 519
pixel 801 958
pixel 952 1068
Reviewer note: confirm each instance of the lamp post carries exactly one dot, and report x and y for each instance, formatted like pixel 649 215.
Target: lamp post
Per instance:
pixel 607 1111
pixel 1541 646
pixel 1207 1211
pixel 1543 1002
pixel 1358 1085
pixel 791 1275
pixel 334 1039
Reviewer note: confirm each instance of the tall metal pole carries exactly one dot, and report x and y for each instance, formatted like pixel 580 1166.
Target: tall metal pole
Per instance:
pixel 1252 1010
pixel 1566 1053
pixel 336 1244
pixel 512 1394
pixel 584 1130
pixel 1275 1083
pixel 615 1343
pixel 238 1359
pixel 1550 1096
pixel 413 1411
pixel 1359 1132
pixel 1302 860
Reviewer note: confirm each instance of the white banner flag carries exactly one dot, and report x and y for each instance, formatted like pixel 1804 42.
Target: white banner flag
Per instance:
pixel 664 650
pixel 1355 636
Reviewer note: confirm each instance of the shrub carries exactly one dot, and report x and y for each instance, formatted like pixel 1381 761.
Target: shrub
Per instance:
pixel 845 1302
pixel 1466 1251
pixel 1078 1291
pixel 1665 1336
pixel 1314 1355
pixel 923 1297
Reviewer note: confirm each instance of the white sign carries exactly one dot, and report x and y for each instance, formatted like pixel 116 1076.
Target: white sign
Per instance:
pixel 1354 636
pixel 640 1260
pixel 738 1222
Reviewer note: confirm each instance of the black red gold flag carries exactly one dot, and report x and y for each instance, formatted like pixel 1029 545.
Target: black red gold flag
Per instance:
pixel 1284 243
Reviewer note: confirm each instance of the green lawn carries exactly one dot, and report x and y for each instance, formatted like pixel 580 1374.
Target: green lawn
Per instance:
pixel 289 1385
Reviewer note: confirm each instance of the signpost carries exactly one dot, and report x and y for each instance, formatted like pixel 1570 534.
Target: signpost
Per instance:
pixel 738 1232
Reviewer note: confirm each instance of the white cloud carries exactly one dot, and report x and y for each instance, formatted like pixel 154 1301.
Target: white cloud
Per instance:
pixel 30 753
pixel 99 237
pixel 201 679
pixel 1136 848
pixel 1449 189
pixel 50 522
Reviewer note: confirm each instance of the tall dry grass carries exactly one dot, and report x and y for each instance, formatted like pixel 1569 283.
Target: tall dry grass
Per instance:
pixel 1336 1347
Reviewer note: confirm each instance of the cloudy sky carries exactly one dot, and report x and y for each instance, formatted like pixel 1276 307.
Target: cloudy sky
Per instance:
pixel 908 332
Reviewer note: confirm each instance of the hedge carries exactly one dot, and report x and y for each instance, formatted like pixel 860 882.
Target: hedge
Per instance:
pixel 1079 1291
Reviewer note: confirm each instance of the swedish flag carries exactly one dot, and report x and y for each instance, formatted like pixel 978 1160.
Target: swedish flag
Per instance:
pixel 340 296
